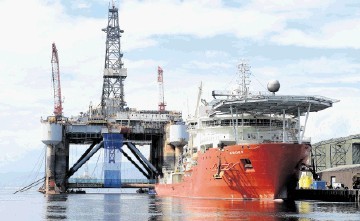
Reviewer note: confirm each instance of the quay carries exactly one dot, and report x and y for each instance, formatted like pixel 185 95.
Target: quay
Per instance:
pixel 337 195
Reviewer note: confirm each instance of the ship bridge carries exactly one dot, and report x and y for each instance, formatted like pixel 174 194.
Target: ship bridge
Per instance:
pixel 287 106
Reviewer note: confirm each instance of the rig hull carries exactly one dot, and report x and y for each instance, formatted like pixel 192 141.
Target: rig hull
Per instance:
pixel 249 171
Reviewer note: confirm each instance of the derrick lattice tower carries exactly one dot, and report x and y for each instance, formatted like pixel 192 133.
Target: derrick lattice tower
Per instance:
pixel 161 89
pixel 56 82
pixel 112 99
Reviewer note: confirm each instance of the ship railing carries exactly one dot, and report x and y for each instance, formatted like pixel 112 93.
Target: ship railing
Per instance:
pixel 259 135
pixel 246 122
pixel 236 94
pixel 274 123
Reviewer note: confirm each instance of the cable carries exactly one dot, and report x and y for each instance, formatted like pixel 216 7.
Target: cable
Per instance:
pixel 30 185
pixel 41 164
pixel 96 165
pixel 258 81
pixel 37 164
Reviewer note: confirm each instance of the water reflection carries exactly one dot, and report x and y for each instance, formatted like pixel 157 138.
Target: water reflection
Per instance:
pixel 199 209
pixel 128 206
pixel 56 207
pixel 155 208
pixel 112 207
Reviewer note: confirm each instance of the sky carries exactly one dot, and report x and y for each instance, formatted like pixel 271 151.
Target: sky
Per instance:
pixel 311 47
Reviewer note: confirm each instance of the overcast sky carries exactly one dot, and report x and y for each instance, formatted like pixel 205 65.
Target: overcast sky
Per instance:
pixel 311 47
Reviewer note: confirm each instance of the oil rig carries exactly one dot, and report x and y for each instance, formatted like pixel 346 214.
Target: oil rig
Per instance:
pixel 111 125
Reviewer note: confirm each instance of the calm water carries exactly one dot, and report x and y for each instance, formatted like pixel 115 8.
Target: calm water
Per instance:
pixel 32 205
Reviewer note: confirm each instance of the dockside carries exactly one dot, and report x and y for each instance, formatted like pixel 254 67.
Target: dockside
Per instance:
pixel 327 195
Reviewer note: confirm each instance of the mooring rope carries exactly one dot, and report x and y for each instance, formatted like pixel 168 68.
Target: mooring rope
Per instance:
pixel 31 185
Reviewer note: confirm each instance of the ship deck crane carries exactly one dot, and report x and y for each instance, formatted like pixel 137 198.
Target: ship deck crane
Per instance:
pixel 58 110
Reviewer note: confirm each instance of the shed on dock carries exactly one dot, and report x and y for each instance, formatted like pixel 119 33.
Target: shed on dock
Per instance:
pixel 336 152
pixel 345 174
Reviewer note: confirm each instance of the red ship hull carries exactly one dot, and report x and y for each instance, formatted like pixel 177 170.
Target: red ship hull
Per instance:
pixel 261 171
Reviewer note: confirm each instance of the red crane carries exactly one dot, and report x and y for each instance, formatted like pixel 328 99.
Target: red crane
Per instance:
pixel 56 83
pixel 161 90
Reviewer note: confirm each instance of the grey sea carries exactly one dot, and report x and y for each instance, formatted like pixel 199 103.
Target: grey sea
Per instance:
pixel 106 205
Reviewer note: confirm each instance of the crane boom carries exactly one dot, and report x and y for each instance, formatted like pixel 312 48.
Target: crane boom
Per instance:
pixel 198 100
pixel 161 90
pixel 56 82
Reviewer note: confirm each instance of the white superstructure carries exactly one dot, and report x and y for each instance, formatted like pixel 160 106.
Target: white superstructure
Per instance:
pixel 242 117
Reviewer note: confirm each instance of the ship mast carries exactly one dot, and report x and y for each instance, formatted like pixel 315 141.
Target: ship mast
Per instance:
pixel 244 80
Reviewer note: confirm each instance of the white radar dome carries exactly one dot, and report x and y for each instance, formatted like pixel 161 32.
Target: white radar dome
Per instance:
pixel 273 86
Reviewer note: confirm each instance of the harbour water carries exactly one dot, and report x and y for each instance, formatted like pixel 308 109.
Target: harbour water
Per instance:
pixel 127 205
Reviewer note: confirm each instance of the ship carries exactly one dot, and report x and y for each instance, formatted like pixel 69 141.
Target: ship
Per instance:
pixel 242 144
